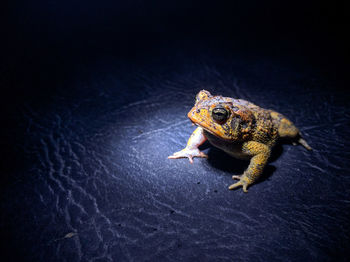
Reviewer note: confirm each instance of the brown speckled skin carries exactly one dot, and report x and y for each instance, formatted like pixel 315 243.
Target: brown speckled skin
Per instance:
pixel 247 132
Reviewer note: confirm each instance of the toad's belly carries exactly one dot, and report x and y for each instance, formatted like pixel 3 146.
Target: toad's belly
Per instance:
pixel 232 148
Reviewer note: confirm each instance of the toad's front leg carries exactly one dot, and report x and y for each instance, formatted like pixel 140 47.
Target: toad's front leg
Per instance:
pixel 191 150
pixel 260 154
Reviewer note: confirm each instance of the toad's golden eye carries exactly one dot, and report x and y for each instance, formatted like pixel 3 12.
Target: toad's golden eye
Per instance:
pixel 220 114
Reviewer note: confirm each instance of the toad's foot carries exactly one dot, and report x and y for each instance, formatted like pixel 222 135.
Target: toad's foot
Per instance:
pixel 188 153
pixel 244 181
pixel 304 144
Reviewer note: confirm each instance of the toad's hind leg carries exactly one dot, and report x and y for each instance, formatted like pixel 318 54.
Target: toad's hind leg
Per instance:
pixel 287 129
pixel 260 154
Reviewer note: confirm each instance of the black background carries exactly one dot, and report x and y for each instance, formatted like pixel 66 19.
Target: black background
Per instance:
pixel 94 97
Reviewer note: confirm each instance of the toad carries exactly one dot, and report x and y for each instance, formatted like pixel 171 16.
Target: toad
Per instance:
pixel 241 129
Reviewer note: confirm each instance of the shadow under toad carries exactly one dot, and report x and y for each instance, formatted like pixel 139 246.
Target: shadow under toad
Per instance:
pixel 232 166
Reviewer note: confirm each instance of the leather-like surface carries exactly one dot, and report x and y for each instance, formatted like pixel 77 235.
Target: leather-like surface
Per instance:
pixel 96 165
pixel 85 174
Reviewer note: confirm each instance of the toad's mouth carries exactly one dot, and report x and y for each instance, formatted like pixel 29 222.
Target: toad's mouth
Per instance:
pixel 200 124
pixel 202 118
pixel 210 129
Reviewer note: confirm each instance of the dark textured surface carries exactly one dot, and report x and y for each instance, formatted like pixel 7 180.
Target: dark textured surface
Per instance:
pixel 88 128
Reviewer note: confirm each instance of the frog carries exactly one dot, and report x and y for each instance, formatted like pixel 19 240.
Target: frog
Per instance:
pixel 241 129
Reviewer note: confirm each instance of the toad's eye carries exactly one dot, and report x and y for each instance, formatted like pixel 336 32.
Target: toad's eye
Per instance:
pixel 220 114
